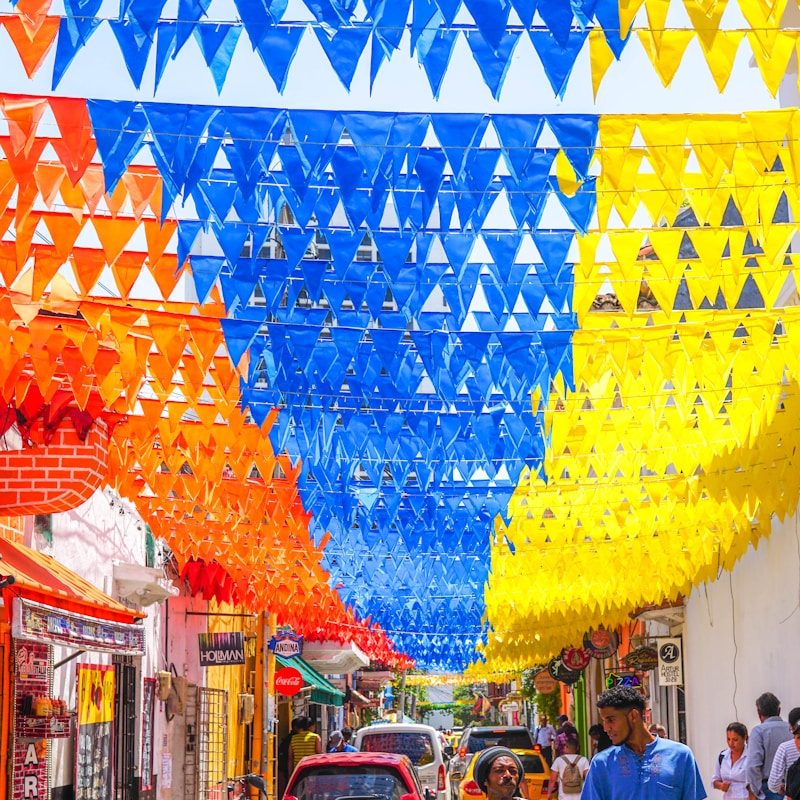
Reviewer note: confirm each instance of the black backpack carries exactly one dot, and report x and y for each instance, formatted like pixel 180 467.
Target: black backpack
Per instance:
pixel 793 781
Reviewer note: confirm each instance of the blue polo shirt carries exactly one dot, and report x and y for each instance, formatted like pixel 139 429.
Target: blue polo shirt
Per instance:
pixel 665 771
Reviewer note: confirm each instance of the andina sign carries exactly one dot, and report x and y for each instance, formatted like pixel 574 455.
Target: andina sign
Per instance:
pixel 286 644
pixel 221 649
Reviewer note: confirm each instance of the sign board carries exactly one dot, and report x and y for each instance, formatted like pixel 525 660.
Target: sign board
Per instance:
pixel 544 682
pixel 601 643
pixel 28 772
pixel 94 761
pixel 509 707
pixel 286 644
pixel 221 649
pixel 670 662
pixel 41 623
pixel 288 681
pixel 642 658
pixel 623 678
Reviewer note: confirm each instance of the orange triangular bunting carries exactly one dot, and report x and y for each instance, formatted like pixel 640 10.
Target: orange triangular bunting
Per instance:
pixel 114 234
pixel 127 268
pixel 87 265
pixel 32 46
pixel 77 146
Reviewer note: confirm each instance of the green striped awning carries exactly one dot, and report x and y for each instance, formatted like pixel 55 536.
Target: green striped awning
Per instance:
pixel 324 692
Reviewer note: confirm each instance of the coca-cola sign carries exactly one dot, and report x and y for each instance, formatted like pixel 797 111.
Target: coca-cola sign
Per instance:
pixel 288 681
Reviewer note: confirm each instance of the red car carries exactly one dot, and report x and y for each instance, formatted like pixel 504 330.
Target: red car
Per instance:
pixel 355 776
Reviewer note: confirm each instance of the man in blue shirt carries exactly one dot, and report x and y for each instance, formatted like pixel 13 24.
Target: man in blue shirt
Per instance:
pixel 640 766
pixel 338 744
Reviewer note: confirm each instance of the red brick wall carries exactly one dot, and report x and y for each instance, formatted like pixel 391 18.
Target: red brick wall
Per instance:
pixel 57 477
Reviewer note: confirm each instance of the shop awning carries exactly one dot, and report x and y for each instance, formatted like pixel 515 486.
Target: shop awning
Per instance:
pixel 323 691
pixel 42 579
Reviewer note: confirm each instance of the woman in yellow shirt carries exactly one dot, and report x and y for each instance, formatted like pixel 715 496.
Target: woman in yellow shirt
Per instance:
pixel 305 742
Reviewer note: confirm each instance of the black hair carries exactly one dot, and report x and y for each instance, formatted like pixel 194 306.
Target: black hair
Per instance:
pixel 625 697
pixel 738 728
pixel 794 717
pixel 768 705
pixel 347 734
pixel 596 729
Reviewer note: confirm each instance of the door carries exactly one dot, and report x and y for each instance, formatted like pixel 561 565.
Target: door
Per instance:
pixel 125 730
pixel 212 744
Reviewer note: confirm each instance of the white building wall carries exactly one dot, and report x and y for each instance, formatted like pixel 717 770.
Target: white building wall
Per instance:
pixel 742 638
pixel 89 540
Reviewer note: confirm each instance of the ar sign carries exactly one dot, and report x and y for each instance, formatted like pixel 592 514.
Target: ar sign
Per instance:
pixel 670 663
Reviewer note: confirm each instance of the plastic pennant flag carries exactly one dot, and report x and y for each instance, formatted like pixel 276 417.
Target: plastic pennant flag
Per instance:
pixel 558 60
pixel 344 50
pixel 190 12
pixel 491 17
pixel 666 51
pixel 493 61
pixel 31 46
pixel 217 43
pixel 73 34
pixel 600 57
pixel 458 134
pixel 277 47
pixel 436 58
pixel 525 10
pixel 135 45
pixel 239 336
pixel 119 128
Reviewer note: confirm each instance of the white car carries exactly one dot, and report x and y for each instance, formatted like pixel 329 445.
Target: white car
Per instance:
pixel 421 743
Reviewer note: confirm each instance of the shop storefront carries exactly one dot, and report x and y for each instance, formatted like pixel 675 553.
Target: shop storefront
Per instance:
pixel 301 691
pixel 48 609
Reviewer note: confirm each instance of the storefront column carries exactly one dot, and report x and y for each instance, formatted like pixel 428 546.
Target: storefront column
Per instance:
pixel 263 759
pixel 579 712
pixel 270 727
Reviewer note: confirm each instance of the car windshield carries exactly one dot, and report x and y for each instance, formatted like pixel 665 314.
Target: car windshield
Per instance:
pixel 516 740
pixel 332 782
pixel 417 746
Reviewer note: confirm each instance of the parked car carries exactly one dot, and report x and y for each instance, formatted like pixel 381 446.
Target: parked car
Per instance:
pixel 421 743
pixel 378 776
pixel 516 738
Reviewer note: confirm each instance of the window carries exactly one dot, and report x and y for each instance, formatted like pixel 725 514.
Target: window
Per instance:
pixel 417 746
pixel 328 783
pixel 43 527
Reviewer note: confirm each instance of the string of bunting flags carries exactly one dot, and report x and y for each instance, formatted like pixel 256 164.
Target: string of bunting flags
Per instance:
pixel 427 359
pixel 555 33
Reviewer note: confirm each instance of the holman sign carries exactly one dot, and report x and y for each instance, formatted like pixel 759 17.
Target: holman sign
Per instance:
pixel 286 644
pixel 221 649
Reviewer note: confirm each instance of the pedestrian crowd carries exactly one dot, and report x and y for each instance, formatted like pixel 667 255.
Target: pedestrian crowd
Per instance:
pixel 631 760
